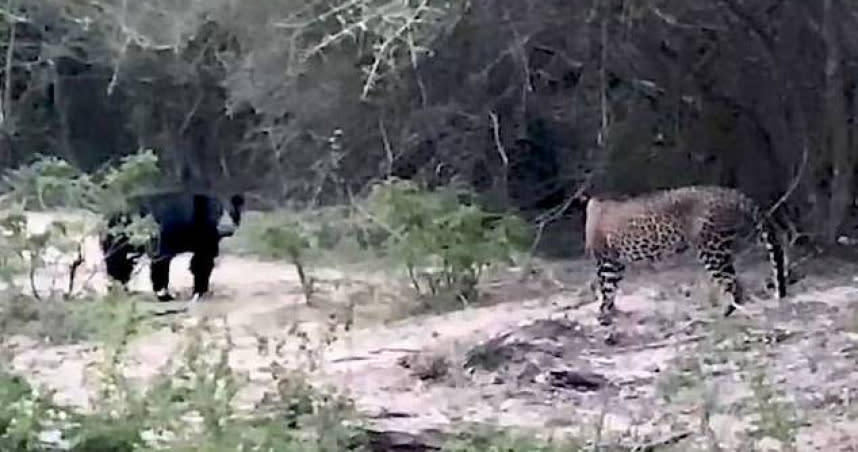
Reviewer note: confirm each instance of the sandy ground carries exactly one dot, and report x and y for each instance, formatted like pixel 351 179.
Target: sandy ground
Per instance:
pixel 668 361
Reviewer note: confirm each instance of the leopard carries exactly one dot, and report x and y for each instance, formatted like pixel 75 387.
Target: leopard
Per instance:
pixel 653 226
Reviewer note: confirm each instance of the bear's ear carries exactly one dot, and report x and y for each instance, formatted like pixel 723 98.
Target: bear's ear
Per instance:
pixel 236 206
pixel 237 201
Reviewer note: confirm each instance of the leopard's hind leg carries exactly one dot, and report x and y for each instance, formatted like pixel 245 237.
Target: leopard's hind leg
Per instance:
pixel 715 252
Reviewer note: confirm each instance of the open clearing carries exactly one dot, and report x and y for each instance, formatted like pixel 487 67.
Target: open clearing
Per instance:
pixel 532 357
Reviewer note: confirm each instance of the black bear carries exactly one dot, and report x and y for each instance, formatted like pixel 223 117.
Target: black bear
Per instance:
pixel 187 223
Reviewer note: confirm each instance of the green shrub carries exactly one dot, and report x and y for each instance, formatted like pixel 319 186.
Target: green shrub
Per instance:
pixel 113 185
pixel 290 241
pixel 24 415
pixel 45 183
pixel 50 182
pixel 444 242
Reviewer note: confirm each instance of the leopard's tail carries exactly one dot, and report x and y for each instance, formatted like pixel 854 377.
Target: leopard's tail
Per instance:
pixel 767 234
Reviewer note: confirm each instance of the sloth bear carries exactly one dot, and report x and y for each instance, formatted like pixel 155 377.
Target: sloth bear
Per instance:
pixel 187 223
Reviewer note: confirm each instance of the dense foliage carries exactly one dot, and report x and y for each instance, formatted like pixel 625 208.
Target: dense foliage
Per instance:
pixel 313 101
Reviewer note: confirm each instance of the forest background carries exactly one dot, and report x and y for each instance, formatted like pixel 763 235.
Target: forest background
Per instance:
pixel 309 102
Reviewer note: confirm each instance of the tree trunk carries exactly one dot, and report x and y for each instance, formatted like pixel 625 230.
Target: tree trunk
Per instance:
pixel 789 126
pixel 62 104
pixel 836 133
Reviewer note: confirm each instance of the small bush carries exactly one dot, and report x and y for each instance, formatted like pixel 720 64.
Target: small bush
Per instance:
pixel 45 183
pixel 290 242
pixel 58 322
pixel 444 242
pixel 113 185
pixel 778 419
pixel 332 236
pixel 50 182
pixel 190 406
pixel 22 251
pixel 24 415
pixel 333 233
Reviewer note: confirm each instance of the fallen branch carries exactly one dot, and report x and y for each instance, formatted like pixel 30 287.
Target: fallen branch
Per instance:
pixel 388 440
pixel 661 344
pixel 664 442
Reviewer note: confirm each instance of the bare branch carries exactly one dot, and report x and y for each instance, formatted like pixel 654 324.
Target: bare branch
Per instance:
pixel 673 21
pixel 5 109
pixel 374 72
pixel 412 51
pixel 12 17
pixel 496 134
pixel 387 149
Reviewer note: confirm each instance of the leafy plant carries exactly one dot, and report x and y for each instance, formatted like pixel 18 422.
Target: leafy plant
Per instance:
pixel 24 414
pixel 441 239
pixel 289 241
pixel 46 182
pixel 19 248
pixel 190 405
pixel 777 418
pixel 13 229
pixel 49 182
pixel 115 184
pixel 53 182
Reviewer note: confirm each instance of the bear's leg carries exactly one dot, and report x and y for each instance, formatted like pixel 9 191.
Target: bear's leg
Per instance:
pixel 119 256
pixel 206 251
pixel 202 264
pixel 160 275
pixel 119 265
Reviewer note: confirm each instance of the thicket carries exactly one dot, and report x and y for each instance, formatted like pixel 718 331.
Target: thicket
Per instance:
pixel 309 103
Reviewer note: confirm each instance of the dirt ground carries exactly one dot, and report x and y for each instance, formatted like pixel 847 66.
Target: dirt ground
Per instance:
pixel 669 370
